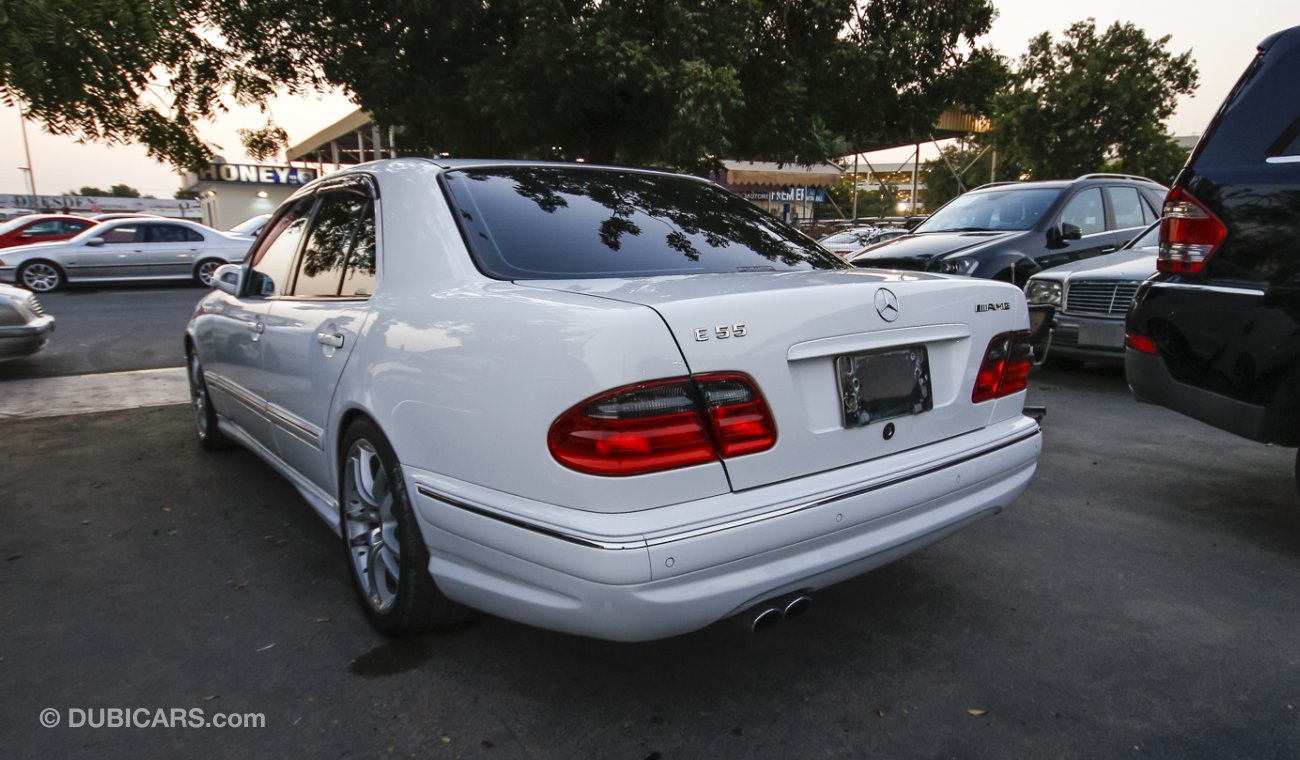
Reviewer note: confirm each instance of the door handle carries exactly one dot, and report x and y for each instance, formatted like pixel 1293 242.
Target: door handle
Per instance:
pixel 333 340
pixel 1108 249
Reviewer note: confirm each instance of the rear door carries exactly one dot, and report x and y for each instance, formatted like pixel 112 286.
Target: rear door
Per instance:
pixel 312 329
pixel 172 249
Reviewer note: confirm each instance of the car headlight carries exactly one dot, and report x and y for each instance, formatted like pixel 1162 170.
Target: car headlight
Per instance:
pixel 1043 291
pixel 957 265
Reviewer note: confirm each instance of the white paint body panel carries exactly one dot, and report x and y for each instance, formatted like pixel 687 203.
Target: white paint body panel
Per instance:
pixel 465 375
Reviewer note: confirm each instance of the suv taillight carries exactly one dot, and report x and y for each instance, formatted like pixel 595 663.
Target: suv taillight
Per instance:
pixel 1189 233
pixel 1005 369
pixel 663 425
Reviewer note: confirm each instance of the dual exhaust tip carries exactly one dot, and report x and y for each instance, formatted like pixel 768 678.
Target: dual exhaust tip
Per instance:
pixel 766 615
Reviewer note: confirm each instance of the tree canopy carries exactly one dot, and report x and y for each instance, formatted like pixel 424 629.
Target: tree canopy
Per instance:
pixel 116 191
pixel 660 82
pixel 1074 104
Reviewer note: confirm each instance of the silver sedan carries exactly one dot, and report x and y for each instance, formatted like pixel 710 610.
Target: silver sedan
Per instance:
pixel 124 250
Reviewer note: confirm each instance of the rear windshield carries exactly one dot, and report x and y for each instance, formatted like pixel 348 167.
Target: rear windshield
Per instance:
pixel 529 223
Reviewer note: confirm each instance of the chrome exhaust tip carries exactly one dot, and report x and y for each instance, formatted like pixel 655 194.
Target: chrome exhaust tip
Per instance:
pixel 796 607
pixel 764 619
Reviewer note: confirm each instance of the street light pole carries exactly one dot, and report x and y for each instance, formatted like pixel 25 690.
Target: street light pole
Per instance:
pixel 31 173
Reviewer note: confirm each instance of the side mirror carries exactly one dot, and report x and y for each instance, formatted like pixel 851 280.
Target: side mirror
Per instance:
pixel 228 278
pixel 95 242
pixel 1071 231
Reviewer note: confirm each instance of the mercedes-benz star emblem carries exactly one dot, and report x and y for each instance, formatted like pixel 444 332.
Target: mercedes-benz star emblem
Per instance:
pixel 887 304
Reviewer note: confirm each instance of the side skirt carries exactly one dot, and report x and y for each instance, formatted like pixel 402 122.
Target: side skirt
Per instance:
pixel 325 505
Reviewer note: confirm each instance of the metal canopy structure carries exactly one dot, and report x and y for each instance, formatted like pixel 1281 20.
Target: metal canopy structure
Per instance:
pixel 354 139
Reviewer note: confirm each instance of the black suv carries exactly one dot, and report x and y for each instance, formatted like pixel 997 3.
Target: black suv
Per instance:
pixel 1010 230
pixel 1216 333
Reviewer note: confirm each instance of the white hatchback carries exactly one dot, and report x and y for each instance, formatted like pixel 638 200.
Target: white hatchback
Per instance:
pixel 617 403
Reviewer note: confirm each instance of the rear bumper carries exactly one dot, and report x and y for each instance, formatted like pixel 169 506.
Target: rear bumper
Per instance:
pixel 662 572
pixel 1150 381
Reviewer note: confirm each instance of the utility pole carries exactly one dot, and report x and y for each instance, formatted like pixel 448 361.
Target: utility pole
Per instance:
pixel 31 173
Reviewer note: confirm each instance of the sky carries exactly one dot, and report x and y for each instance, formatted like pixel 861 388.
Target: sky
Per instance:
pixel 1221 47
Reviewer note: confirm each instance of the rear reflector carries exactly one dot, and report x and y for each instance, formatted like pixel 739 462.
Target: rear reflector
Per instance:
pixel 1189 234
pixel 662 425
pixel 1140 343
pixel 1005 368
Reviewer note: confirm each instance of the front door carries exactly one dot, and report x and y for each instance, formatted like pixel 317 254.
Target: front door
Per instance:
pixel 234 355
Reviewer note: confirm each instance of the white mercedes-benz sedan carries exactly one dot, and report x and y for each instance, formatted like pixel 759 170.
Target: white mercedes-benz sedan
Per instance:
pixel 617 403
pixel 136 248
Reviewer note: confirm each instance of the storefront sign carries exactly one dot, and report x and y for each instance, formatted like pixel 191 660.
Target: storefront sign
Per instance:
pixel 94 205
pixel 788 195
pixel 250 174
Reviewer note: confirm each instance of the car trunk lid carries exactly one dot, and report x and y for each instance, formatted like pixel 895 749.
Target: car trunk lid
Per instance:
pixel 797 334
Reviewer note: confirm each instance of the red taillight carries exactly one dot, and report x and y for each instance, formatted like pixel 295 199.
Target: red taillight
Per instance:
pixel 1189 233
pixel 663 425
pixel 1140 343
pixel 1005 368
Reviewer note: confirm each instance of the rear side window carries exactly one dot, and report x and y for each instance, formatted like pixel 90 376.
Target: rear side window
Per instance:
pixel 563 222
pixel 172 233
pixel 1125 206
pixel 336 230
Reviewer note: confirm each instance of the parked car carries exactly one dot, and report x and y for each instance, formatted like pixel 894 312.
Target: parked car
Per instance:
pixel 1091 298
pixel 124 250
pixel 42 228
pixel 250 226
pixel 702 411
pixel 1216 334
pixel 25 328
pixel 847 241
pixel 1011 230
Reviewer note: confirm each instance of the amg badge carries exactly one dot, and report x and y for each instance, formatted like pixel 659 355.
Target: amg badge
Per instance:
pixel 1004 306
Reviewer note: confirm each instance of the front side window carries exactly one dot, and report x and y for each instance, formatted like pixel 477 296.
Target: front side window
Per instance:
pixel 49 227
pixel 72 228
pixel 531 222
pixel 1085 211
pixel 273 258
pixel 333 233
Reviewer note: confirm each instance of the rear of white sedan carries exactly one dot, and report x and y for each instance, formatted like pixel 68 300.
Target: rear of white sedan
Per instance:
pixel 616 403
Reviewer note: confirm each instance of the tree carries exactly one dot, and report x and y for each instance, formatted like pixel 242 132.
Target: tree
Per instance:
pixel 660 82
pixel 1074 104
pixel 116 191
pixel 183 194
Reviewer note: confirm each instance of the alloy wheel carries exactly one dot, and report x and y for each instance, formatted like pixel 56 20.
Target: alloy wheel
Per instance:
pixel 370 526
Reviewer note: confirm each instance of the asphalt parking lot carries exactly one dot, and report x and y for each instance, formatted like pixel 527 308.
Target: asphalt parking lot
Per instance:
pixel 1136 601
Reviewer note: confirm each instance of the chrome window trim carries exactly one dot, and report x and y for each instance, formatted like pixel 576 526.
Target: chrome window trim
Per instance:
pixel 1282 160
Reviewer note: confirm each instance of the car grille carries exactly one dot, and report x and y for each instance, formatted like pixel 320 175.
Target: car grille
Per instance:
pixel 35 306
pixel 1100 296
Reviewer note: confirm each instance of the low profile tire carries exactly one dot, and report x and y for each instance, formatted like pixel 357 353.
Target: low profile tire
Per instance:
pixel 40 276
pixel 387 558
pixel 204 270
pixel 1297 471
pixel 205 417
